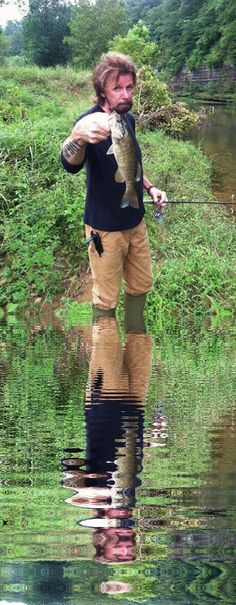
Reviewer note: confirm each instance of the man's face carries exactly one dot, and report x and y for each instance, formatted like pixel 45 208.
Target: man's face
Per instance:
pixel 118 93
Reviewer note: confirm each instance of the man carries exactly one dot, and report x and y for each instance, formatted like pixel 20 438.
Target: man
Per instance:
pixel 122 231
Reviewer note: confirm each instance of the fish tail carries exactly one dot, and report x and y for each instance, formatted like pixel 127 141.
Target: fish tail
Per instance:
pixel 130 198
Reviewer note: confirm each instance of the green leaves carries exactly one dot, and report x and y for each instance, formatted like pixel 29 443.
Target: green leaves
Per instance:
pixel 92 26
pixel 138 45
pixel 44 29
pixel 75 314
pixel 197 33
pixel 41 207
pixel 151 94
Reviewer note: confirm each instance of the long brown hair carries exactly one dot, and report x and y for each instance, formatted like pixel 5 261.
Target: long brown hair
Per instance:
pixel 111 63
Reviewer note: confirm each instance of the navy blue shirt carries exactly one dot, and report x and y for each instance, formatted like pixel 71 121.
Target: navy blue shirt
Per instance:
pixel 104 194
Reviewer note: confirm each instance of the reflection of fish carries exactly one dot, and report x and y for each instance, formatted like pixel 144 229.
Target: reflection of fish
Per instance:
pixel 129 169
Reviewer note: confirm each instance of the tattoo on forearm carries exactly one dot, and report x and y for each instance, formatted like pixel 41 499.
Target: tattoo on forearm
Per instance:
pixel 71 148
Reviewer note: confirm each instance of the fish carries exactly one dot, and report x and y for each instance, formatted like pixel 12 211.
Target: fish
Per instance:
pixel 128 170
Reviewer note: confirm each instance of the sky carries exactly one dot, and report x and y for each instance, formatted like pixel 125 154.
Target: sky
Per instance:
pixel 10 12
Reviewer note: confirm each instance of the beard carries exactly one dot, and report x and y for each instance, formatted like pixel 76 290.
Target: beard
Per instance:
pixel 122 107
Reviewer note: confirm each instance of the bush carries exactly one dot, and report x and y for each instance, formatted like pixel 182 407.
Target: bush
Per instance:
pixel 151 94
pixel 173 119
pixel 138 45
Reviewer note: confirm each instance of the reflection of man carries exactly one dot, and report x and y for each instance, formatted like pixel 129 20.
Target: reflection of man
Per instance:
pixel 114 545
pixel 107 479
pixel 112 587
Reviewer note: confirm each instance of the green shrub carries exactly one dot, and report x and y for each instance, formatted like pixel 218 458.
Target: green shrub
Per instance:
pixel 138 45
pixel 151 94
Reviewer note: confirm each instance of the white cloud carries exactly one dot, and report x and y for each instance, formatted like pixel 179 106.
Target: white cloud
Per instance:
pixel 11 603
pixel 11 12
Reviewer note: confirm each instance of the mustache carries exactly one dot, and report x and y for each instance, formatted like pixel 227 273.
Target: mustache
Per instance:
pixel 122 107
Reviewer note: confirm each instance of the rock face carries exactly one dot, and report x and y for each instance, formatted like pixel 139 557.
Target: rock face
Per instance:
pixel 223 76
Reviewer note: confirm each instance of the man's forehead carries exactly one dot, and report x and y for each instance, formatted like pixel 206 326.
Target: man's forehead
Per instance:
pixel 116 78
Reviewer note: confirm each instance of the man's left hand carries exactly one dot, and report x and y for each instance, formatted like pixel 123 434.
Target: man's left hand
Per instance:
pixel 159 197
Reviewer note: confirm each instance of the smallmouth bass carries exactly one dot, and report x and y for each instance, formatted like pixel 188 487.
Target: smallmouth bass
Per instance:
pixel 129 169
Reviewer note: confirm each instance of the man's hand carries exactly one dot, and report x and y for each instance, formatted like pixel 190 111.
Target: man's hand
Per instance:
pixel 159 197
pixel 92 128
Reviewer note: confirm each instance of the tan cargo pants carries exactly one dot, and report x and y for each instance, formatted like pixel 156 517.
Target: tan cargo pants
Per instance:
pixel 126 256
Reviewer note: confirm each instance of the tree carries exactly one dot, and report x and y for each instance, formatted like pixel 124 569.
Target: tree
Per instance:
pixel 92 27
pixel 227 19
pixel 165 27
pixel 1 47
pixel 13 38
pixel 137 9
pixel 44 29
pixel 193 33
pixel 138 45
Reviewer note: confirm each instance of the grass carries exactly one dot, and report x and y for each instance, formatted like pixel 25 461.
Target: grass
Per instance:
pixel 41 211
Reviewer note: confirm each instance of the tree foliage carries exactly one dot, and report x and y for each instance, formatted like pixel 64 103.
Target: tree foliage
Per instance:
pixel 196 33
pixel 44 29
pixel 92 27
pixel 138 45
pixel 137 9
pixel 188 33
pixel 13 38
pixel 151 94
pixel 1 46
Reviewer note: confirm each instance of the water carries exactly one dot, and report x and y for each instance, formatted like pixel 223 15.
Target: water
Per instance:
pixel 217 137
pixel 118 466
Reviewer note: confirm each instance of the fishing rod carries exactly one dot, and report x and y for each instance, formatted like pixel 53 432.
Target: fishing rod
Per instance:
pixel 159 216
pixel 210 202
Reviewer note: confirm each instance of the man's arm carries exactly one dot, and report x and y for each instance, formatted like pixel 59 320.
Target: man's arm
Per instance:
pixel 159 197
pixel 73 150
pixel 92 128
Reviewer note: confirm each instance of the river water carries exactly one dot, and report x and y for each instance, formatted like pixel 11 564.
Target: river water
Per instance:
pixel 217 138
pixel 118 466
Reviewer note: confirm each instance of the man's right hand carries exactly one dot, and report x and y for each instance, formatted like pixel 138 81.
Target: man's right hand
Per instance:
pixel 93 128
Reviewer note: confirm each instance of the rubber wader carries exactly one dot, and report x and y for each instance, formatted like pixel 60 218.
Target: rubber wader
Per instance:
pixel 134 306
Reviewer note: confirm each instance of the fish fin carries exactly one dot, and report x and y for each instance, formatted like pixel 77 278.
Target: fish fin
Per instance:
pixel 130 198
pixel 139 173
pixel 110 150
pixel 119 177
pixel 124 203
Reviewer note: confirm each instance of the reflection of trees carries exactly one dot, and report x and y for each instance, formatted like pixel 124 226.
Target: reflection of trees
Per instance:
pixel 40 405
pixel 52 583
pixel 45 583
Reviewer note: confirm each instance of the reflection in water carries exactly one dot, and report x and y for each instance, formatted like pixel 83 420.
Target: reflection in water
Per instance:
pixel 106 480
pixel 149 467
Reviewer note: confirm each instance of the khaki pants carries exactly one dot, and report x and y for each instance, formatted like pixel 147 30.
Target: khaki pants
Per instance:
pixel 126 256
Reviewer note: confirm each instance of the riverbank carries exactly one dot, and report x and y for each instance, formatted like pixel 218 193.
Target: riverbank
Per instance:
pixel 208 96
pixel 42 209
pixel 215 85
